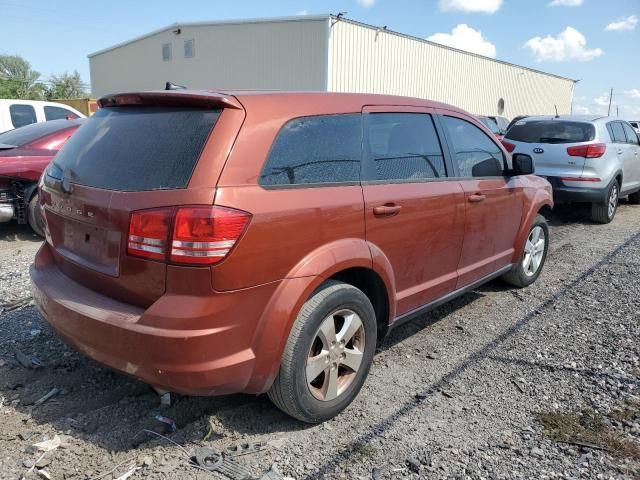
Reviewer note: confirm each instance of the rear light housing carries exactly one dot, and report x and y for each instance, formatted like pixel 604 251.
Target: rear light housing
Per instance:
pixel 509 146
pixel 580 179
pixel 189 235
pixel 594 150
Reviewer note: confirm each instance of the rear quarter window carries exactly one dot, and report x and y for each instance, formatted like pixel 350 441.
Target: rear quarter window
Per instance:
pixel 551 131
pixel 323 149
pixel 22 115
pixel 136 148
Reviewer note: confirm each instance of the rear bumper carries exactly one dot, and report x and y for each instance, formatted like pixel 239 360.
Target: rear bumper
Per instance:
pixel 563 193
pixel 185 344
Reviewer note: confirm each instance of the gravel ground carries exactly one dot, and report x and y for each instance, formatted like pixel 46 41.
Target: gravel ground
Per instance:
pixel 536 383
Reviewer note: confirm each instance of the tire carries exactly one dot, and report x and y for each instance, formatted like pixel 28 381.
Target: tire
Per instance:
pixel 524 274
pixel 634 198
pixel 601 212
pixel 328 308
pixel 34 216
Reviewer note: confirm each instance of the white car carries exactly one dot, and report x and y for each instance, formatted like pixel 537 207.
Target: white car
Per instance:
pixel 18 113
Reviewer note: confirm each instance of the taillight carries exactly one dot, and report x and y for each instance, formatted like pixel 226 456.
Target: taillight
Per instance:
pixel 595 150
pixel 201 235
pixel 509 146
pixel 205 235
pixel 148 233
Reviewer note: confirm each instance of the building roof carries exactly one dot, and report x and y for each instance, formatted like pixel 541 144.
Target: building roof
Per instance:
pixel 312 18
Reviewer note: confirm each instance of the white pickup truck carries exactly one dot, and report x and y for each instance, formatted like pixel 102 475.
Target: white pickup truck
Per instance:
pixel 18 113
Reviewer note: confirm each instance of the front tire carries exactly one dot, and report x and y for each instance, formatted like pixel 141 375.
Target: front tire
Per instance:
pixel 604 212
pixel 328 354
pixel 533 257
pixel 34 216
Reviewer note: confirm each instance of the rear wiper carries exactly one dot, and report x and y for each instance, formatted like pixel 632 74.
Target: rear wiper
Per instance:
pixel 553 140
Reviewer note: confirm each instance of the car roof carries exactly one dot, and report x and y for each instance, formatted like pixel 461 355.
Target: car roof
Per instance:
pixel 569 118
pixel 231 97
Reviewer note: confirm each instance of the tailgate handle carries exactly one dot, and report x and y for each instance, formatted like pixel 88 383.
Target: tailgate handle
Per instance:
pixel 477 198
pixel 386 210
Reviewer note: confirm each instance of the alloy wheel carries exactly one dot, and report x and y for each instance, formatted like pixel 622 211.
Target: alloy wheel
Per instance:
pixel 534 251
pixel 613 201
pixel 335 355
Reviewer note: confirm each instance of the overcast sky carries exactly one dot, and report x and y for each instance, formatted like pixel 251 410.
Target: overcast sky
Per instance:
pixel 595 41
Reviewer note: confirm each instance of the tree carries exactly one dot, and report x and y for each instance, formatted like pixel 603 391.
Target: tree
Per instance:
pixel 19 80
pixel 67 85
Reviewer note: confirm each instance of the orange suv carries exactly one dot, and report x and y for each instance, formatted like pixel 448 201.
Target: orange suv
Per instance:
pixel 210 243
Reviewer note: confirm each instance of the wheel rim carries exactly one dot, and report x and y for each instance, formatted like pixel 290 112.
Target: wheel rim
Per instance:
pixel 534 251
pixel 613 201
pixel 336 354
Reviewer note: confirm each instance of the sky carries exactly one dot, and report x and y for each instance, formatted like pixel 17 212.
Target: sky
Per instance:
pixel 594 41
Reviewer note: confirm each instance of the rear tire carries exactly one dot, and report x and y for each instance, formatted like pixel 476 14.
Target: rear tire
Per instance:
pixel 605 212
pixel 533 257
pixel 335 330
pixel 34 216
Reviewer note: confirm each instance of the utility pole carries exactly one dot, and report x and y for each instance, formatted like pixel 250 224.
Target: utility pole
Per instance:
pixel 610 98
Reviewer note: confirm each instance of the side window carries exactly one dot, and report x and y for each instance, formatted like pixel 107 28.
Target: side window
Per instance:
pixel 166 52
pixel 57 113
pixel 617 132
pixel 403 146
pixel 632 137
pixel 22 115
pixel 319 149
pixel 475 153
pixel 189 48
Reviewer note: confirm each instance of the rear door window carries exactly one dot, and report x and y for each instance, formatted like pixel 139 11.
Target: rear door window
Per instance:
pixel 58 113
pixel 136 148
pixel 551 131
pixel 631 135
pixel 22 115
pixel 323 149
pixel 403 147
pixel 616 131
pixel 474 152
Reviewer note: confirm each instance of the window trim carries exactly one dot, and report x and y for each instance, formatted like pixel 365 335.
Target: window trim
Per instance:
pixel 170 49
pixel 627 137
pixel 193 48
pixel 366 174
pixel 289 186
pixel 451 150
pixel 612 136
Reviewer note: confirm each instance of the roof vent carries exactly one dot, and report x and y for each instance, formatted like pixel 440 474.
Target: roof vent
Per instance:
pixel 173 86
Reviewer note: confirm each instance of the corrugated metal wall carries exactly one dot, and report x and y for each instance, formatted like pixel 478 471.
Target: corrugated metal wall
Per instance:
pixel 362 59
pixel 286 55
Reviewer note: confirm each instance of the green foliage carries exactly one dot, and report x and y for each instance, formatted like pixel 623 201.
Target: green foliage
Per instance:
pixel 19 80
pixel 67 85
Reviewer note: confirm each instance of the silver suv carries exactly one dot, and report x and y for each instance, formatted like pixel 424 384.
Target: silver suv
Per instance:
pixel 585 158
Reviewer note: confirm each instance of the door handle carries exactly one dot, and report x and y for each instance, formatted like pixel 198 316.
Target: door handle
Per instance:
pixel 477 198
pixel 386 210
pixel 619 152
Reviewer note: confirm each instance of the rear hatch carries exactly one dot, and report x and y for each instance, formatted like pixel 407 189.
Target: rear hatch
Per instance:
pixel 549 142
pixel 139 151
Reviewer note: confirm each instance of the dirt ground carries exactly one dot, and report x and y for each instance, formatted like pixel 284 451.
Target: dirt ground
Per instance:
pixel 536 383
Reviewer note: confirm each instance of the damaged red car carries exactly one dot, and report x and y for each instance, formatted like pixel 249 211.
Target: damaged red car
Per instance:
pixel 24 154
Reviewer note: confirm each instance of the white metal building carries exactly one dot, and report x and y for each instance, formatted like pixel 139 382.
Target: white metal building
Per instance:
pixel 324 53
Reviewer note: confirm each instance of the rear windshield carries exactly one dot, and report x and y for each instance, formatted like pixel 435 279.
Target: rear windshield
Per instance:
pixel 135 148
pixel 27 134
pixel 551 131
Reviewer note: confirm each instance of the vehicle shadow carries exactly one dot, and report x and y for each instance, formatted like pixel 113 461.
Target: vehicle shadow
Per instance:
pixel 111 409
pixel 12 232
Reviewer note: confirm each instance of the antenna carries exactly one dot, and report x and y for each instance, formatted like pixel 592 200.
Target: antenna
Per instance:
pixel 610 97
pixel 173 86
pixel 556 107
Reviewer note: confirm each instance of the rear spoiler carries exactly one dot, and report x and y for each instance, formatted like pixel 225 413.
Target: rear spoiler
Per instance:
pixel 185 98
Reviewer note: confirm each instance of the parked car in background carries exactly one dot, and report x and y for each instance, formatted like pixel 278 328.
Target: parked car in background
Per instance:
pixel 24 154
pixel 585 158
pixel 636 125
pixel 491 125
pixel 211 243
pixel 503 124
pixel 18 113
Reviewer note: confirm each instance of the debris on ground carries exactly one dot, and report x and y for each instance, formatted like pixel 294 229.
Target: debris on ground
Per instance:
pixel 54 391
pixel 167 421
pixel 246 448
pixel 25 360
pixel 48 445
pixel 212 461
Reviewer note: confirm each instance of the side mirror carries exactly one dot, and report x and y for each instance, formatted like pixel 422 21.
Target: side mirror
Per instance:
pixel 522 164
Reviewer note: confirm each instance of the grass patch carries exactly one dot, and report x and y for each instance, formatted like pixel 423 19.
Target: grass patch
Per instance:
pixel 591 428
